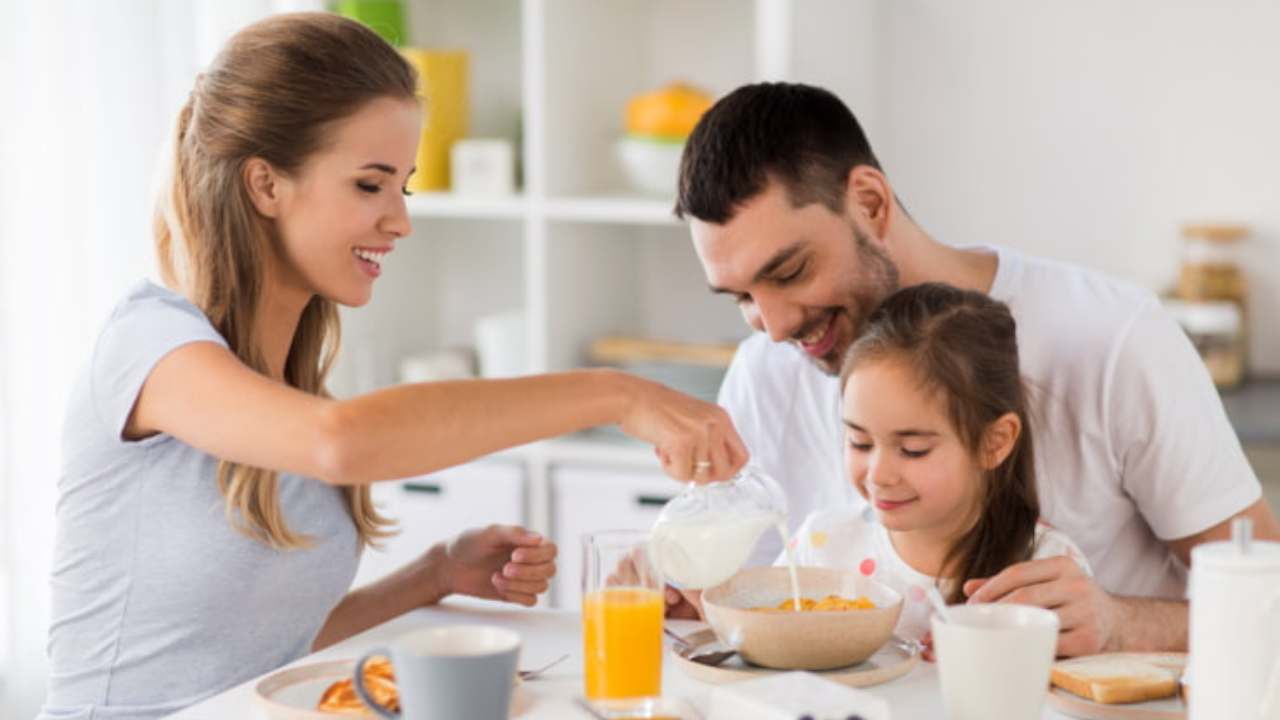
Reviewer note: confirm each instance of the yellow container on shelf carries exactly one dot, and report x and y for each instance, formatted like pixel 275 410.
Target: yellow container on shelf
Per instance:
pixel 442 84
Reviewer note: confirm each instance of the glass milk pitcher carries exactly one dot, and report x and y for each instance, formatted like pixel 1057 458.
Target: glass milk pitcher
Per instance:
pixel 705 534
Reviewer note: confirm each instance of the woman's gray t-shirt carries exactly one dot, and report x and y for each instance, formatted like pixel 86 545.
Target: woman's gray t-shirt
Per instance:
pixel 158 602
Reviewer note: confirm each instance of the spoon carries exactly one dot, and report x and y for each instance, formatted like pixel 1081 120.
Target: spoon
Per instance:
pixel 713 654
pixel 939 605
pixel 533 674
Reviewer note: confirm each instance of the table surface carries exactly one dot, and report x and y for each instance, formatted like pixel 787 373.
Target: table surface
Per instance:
pixel 548 634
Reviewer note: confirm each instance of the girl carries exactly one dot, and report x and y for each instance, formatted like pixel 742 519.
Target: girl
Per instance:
pixel 937 441
pixel 214 500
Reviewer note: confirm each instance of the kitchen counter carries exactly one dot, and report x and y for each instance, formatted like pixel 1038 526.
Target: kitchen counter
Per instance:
pixel 547 634
pixel 1254 410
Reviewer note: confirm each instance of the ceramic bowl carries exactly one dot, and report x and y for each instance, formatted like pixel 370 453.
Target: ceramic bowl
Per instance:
pixel 651 166
pixel 810 640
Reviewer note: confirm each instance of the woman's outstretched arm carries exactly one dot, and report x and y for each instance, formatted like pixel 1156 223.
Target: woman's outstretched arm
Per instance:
pixel 202 394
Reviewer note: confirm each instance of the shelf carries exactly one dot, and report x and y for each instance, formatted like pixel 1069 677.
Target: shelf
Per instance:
pixel 634 210
pixel 615 209
pixel 453 205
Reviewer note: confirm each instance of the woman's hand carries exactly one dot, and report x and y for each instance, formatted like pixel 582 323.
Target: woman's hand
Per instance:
pixel 683 604
pixel 499 562
pixel 694 440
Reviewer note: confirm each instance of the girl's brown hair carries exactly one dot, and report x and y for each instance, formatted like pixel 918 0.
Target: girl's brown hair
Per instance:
pixel 963 345
pixel 274 92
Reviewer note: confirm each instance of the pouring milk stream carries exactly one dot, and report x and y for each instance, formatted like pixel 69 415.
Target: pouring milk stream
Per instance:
pixel 705 534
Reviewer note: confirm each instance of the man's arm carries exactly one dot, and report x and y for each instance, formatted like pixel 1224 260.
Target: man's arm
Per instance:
pixel 1265 527
pixel 1093 620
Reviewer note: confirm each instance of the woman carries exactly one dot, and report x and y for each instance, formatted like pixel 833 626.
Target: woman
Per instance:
pixel 215 499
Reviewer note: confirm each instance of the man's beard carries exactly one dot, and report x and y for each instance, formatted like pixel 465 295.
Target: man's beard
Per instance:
pixel 875 278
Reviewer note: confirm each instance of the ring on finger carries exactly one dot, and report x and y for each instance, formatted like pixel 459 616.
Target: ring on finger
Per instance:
pixel 702 466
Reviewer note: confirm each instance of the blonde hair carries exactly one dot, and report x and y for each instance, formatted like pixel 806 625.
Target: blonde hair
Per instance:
pixel 274 92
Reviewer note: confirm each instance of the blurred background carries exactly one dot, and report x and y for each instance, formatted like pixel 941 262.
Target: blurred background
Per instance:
pixel 1137 138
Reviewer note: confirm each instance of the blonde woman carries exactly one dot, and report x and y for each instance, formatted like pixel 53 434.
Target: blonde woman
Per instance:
pixel 215 500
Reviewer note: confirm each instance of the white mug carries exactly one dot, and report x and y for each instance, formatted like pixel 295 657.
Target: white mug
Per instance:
pixel 994 660
pixel 446 673
pixel 1234 665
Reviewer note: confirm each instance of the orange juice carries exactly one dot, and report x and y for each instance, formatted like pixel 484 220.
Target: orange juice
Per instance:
pixel 622 642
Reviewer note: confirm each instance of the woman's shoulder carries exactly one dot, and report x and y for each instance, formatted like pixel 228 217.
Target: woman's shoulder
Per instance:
pixel 152 310
pixel 148 296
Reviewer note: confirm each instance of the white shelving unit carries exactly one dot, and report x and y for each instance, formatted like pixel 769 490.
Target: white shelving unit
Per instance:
pixel 574 250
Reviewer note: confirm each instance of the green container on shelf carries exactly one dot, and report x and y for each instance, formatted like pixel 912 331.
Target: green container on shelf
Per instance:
pixel 385 17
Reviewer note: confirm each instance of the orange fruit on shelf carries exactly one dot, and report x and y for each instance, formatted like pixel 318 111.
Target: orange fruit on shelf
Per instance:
pixel 667 113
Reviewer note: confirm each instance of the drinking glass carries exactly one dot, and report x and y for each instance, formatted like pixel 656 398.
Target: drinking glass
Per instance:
pixel 622 608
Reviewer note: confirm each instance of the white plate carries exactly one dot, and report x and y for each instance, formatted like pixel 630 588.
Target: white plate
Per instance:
pixel 1078 707
pixel 293 693
pixel 888 663
pixel 1171 708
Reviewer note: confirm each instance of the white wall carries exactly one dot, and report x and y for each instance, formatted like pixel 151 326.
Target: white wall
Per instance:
pixel 1088 130
pixel 98 85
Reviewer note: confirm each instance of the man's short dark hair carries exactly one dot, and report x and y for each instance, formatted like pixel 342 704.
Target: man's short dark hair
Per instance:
pixel 799 135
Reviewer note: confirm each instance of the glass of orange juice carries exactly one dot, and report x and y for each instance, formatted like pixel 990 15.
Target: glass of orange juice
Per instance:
pixel 622 611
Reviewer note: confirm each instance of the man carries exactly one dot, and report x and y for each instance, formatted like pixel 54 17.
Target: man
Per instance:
pixel 793 218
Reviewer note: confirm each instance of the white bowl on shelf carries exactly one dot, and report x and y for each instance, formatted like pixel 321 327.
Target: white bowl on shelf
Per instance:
pixel 650 165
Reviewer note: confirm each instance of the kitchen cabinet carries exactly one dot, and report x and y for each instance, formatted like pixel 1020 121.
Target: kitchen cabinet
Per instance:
pixel 588 498
pixel 1266 465
pixel 436 507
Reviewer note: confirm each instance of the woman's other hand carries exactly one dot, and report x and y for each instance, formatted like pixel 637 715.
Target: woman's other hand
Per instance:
pixel 683 604
pixel 694 440
pixel 500 562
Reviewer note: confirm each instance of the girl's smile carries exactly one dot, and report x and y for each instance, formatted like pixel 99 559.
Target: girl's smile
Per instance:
pixel 891 505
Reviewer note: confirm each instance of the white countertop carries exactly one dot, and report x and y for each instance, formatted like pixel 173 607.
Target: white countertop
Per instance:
pixel 547 635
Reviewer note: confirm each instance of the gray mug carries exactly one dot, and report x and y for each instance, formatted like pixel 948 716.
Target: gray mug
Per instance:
pixel 446 673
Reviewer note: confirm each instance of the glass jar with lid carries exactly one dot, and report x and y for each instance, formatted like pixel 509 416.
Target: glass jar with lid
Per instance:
pixel 1216 328
pixel 706 533
pixel 1211 267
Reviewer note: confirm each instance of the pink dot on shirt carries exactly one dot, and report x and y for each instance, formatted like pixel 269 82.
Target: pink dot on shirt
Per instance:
pixel 868 567
pixel 916 593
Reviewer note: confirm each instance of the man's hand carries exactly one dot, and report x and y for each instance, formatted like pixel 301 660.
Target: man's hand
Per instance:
pixel 684 604
pixel 1088 616
pixel 499 562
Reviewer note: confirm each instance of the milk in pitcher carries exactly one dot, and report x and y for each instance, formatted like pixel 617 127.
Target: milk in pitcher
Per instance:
pixel 706 534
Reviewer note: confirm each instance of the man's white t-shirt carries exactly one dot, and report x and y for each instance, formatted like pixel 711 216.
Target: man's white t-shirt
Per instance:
pixel 1132 445
pixel 848 539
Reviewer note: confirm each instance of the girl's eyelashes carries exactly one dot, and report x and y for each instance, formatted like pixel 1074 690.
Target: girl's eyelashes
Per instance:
pixel 863 447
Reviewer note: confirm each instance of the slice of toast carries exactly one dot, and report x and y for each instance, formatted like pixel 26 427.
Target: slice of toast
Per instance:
pixel 1120 677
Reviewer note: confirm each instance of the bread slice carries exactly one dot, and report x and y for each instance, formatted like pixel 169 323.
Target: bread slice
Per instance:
pixel 1121 677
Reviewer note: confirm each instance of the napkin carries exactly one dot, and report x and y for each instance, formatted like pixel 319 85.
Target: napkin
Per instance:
pixel 791 696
